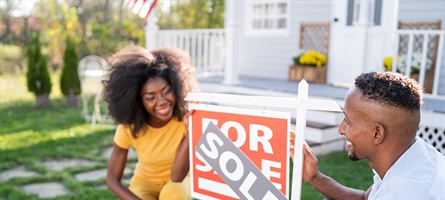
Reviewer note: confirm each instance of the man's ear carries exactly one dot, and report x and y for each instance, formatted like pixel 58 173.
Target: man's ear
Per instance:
pixel 379 134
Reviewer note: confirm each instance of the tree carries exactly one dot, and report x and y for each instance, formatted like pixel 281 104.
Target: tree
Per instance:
pixel 5 17
pixel 191 14
pixel 38 80
pixel 69 81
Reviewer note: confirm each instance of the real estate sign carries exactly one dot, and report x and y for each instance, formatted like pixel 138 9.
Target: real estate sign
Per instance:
pixel 239 153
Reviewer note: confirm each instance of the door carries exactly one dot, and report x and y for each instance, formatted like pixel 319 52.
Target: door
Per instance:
pixel 347 44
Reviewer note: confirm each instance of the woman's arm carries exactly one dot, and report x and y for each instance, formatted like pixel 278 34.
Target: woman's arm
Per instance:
pixel 116 167
pixel 181 165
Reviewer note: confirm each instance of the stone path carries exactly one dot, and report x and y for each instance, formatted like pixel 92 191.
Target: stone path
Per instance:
pixel 54 189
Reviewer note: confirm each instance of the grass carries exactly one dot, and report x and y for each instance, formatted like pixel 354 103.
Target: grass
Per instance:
pixel 30 135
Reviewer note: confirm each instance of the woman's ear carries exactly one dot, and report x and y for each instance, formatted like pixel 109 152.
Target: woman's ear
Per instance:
pixel 379 134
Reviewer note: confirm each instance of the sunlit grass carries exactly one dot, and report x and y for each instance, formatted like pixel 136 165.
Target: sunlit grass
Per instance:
pixel 13 88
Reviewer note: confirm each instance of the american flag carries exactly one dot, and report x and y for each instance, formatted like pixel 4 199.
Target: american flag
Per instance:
pixel 141 7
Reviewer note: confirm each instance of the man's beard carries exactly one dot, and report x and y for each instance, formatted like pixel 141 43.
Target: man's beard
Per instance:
pixel 352 156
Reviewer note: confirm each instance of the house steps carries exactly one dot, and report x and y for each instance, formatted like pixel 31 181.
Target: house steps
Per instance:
pixel 321 132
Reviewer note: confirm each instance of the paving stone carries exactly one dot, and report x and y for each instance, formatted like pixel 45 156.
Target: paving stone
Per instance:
pixel 61 164
pixel 46 190
pixel 15 172
pixel 101 187
pixel 96 174
pixel 125 181
pixel 107 153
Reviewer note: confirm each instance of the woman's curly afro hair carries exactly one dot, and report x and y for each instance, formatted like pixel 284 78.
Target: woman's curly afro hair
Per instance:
pixel 389 88
pixel 129 70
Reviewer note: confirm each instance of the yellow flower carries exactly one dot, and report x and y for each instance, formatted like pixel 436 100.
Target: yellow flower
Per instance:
pixel 313 58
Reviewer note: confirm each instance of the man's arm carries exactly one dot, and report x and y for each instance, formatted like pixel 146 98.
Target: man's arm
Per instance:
pixel 325 184
pixel 334 190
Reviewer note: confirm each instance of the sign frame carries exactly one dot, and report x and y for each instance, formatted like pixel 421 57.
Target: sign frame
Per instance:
pixel 302 104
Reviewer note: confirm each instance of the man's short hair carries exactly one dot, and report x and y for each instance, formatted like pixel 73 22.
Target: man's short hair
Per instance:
pixel 390 88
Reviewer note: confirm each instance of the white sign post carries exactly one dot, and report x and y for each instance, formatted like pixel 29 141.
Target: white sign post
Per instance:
pixel 302 104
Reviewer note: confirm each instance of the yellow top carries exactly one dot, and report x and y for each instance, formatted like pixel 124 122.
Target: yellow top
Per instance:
pixel 156 148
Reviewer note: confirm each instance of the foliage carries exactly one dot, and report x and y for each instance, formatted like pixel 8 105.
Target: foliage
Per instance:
pixel 416 62
pixel 99 27
pixel 9 33
pixel 190 14
pixel 69 81
pixel 309 58
pixel 38 80
pixel 61 22
pixel 102 27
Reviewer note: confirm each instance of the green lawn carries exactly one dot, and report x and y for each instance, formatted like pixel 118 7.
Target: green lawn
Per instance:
pixel 29 135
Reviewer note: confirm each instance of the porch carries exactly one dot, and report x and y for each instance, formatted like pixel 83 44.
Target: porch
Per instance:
pixel 211 56
pixel 218 73
pixel 321 130
pixel 284 88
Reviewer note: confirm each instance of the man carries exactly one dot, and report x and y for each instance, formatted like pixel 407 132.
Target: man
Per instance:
pixel 382 113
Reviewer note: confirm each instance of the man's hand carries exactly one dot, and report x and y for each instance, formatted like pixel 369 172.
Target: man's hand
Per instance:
pixel 310 161
pixel 310 164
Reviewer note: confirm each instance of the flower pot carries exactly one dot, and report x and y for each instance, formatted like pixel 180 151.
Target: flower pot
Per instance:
pixel 311 74
pixel 72 100
pixel 42 100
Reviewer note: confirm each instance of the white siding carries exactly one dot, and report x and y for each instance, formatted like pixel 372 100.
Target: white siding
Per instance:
pixel 270 56
pixel 422 11
pixel 426 11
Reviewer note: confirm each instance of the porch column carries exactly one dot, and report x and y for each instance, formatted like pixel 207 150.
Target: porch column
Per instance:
pixel 231 28
pixel 151 30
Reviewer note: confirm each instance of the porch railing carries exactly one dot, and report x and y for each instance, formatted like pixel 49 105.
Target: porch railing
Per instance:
pixel 427 44
pixel 205 46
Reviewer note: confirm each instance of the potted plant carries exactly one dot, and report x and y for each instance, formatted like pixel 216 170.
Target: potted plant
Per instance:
pixel 37 76
pixel 69 81
pixel 416 61
pixel 308 65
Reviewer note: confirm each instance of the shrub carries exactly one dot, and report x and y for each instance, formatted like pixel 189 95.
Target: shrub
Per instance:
pixel 69 81
pixel 38 80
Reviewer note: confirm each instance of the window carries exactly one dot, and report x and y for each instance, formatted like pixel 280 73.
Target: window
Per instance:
pixel 375 12
pixel 267 18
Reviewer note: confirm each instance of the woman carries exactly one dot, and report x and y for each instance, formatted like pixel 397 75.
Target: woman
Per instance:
pixel 145 95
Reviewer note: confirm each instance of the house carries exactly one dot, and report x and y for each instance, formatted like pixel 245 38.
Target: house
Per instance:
pixel 261 37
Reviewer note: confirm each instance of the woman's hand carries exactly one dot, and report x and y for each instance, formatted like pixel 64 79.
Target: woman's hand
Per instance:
pixel 185 120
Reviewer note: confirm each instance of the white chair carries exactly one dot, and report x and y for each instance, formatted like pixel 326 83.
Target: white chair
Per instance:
pixel 91 73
